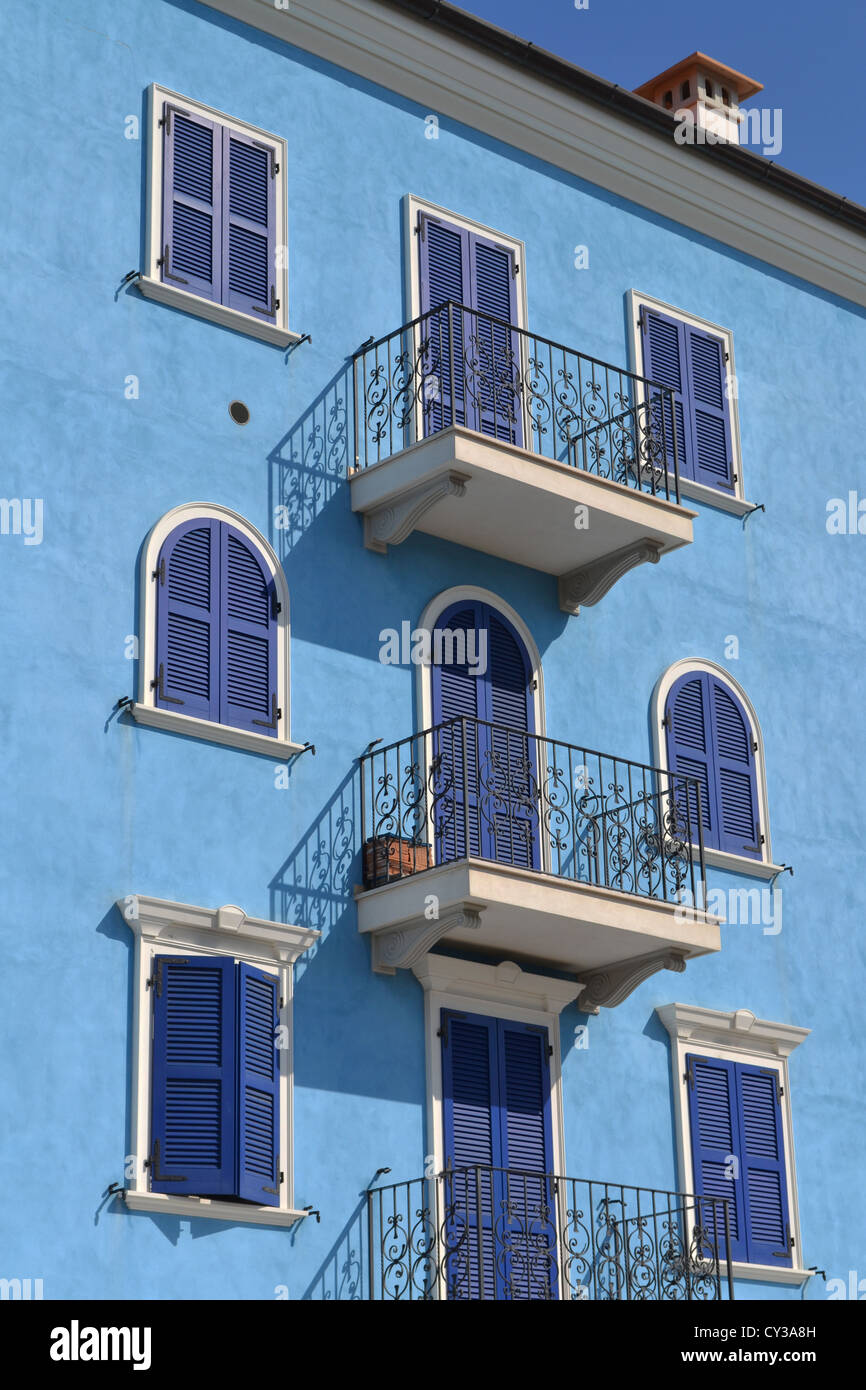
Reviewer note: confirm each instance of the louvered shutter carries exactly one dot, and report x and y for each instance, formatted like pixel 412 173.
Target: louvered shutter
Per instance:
pixel 187 620
pixel 509 769
pixel 736 791
pixel 457 694
pixel 711 455
pixel 472 1139
pixel 258 1087
pixel 690 753
pixel 664 350
pixel 763 1166
pixel 716 1151
pixel 527 1148
pixel 495 351
pixel 249 226
pixel 248 638
pixel 445 278
pixel 193 1114
pixel 191 250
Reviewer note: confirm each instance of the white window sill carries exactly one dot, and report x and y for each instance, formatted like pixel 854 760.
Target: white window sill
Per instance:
pixel 217 313
pixel 768 1274
pixel 212 1209
pixel 713 497
pixel 158 718
pixel 739 863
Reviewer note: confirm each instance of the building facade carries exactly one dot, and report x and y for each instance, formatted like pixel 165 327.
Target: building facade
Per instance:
pixel 432 564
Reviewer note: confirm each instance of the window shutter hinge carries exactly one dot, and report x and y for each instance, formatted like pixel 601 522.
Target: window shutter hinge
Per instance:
pixel 754 745
pixel 159 572
pixel 789 1244
pixel 641 322
pixel 282 1002
pixel 689 1075
pixel 550 1049
pixel 443 1034
pixel 515 269
pixel 770 1071
pixel 264 309
pixel 159 685
pixel 275 1191
pixel 276 607
pixel 166 120
pixel 667 722
pixel 727 357
pixel 534 684
pixel 154 1166
pixel 163 261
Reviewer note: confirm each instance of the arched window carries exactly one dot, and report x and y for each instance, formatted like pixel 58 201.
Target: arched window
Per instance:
pixel 214 628
pixel 482 676
pixel 709 732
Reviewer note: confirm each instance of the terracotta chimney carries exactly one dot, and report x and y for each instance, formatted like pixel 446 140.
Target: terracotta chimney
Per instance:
pixel 710 90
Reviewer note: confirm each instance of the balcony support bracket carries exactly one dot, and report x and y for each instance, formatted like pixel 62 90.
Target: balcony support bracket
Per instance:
pixel 392 522
pixel 403 946
pixel 591 582
pixel 610 985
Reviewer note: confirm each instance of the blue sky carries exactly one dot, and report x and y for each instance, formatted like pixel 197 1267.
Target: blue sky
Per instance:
pixel 809 54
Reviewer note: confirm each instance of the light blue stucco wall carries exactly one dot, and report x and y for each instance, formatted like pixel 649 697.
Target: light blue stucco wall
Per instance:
pixel 97 808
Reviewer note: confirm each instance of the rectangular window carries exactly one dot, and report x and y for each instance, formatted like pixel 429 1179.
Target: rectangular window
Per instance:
pixel 738 1153
pixel 217 220
pixel 694 359
pixel 215 1093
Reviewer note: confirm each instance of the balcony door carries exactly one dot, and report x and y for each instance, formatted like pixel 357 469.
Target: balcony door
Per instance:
pixel 499 1205
pixel 485 771
pixel 471 359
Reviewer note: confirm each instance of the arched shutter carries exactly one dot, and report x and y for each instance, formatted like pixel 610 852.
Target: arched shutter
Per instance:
pixel 187 620
pixel 258 1087
pixel 688 722
pixel 248 638
pixel 457 693
pixel 664 356
pixel 710 424
pixel 191 252
pixel 510 775
pixel 249 226
pixel 737 795
pixel 193 1115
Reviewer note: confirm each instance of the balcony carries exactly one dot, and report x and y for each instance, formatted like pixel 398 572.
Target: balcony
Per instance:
pixel 525 848
pixel 502 1234
pixel 488 436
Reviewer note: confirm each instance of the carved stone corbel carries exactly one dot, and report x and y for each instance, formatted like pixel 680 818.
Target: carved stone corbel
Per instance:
pixel 403 947
pixel 393 521
pixel 612 984
pixel 589 583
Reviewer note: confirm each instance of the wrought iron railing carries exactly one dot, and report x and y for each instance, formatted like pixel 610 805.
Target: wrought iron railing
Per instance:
pixel 470 788
pixel 506 1234
pixel 455 366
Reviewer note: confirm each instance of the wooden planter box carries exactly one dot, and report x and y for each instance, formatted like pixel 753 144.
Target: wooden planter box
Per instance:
pixel 387 857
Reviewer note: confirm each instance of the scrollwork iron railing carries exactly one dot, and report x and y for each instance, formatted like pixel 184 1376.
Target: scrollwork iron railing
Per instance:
pixel 504 1234
pixel 470 788
pixel 455 366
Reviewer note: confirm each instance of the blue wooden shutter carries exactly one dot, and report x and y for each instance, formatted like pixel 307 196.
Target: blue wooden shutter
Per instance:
pixel 527 1148
pixel 258 1106
pixel 193 1115
pixel 249 226
pixel 472 1137
pixel 762 1166
pixel 457 693
pixel 711 454
pixel 716 1150
pixel 187 620
pixel 664 358
pixel 191 252
pixel 248 638
pixel 445 276
pixel 688 721
pixel 510 755
pixel 736 776
pixel 495 352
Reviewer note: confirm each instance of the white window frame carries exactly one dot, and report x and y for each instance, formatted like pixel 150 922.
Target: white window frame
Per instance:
pixel 150 282
pixel 735 502
pixel 413 206
pixel 737 1036
pixel 424 674
pixel 162 927
pixel 146 710
pixel 718 858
